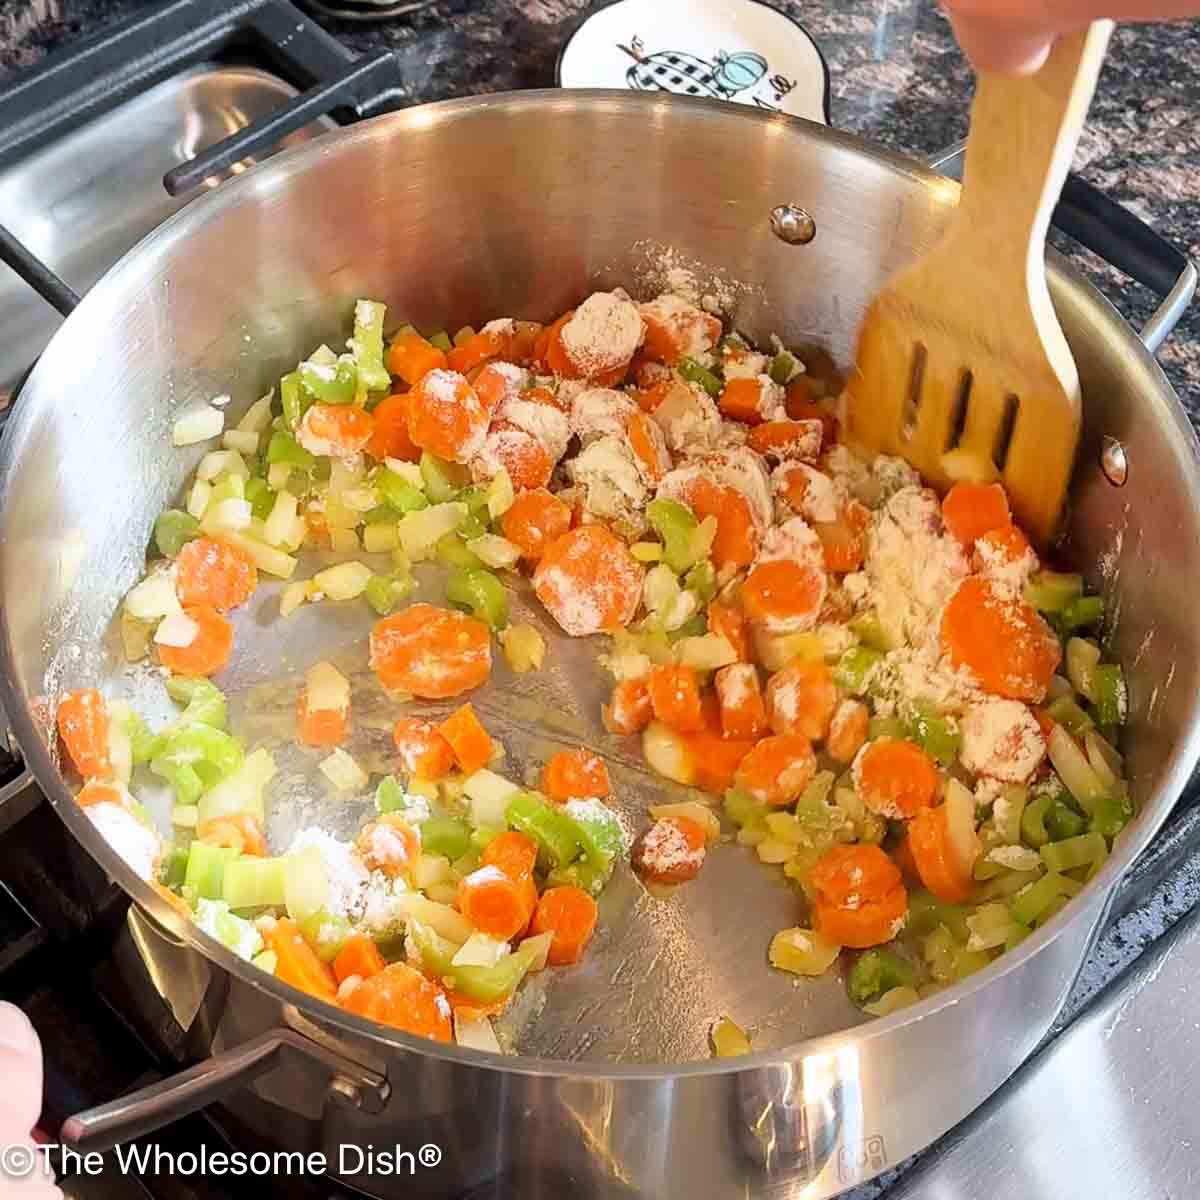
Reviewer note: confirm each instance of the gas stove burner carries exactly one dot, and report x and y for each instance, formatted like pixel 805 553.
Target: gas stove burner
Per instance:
pixel 366 10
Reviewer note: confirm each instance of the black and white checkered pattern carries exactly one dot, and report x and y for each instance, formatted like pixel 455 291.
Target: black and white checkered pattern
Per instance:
pixel 674 71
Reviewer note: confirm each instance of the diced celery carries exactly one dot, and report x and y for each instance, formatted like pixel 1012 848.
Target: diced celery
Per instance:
pixel 226 487
pixel 283 448
pixel 173 530
pixel 678 528
pixel 482 836
pixel 1007 884
pixel 144 744
pixel 442 341
pixel 251 882
pixel 267 961
pixel 293 399
pixel 489 795
pixel 480 593
pixel 693 372
pixel 937 735
pixel 205 702
pixel 390 796
pixel 855 667
pixel 261 498
pixel 556 834
pixel 926 912
pixel 185 816
pixel 1083 657
pixel 1052 592
pixel 443 480
pixel 366 346
pixel 1082 613
pixel 241 792
pixel 1007 812
pixel 500 494
pixel 173 869
pixel 306 887
pixel 702 579
pixel 398 494
pixel 1030 906
pixel 966 962
pixel 581 874
pixel 871 632
pixel 329 383
pixel 485 984
pixel 783 367
pixel 325 932
pixel 1108 694
pixel 385 592
pixel 452 551
pixel 989 925
pixel 444 835
pixel 1017 933
pixel 890 727
pixel 877 971
pixel 938 950
pixel 1033 821
pixel 210 750
pixel 239 935
pixel 743 810
pixel 600 833
pixel 1111 814
pixel 1078 851
pixel 1070 716
pixel 206 869
pixel 1063 822
pixel 1074 770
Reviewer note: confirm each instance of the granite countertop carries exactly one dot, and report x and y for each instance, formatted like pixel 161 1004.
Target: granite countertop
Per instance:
pixel 897 78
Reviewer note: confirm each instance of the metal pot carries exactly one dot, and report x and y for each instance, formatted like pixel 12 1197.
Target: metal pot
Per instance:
pixel 520 204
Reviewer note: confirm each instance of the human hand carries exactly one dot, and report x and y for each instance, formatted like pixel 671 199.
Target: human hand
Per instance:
pixel 1014 36
pixel 20 1106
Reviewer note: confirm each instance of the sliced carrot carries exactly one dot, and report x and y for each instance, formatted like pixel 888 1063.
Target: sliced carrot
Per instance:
pixel 730 623
pixel 83 725
pixel 715 758
pixel 297 962
pixel 389 438
pixel 569 915
pixel 870 924
pixel 209 650
pixel 846 875
pixel 736 542
pixel 493 903
pixel 791 481
pixel 554 357
pixel 468 1008
pixel 802 698
pixel 322 726
pixel 784 594
pixel 973 509
pixel 649 447
pixel 675 697
pixel 335 429
pixel 400 996
pixel 571 774
pixel 559 360
pixel 497 382
pixel 242 832
pixel 543 395
pixel 742 400
pixel 445 416
pixel 743 713
pixel 798 441
pixel 1000 547
pixel 514 853
pixel 848 731
pixel 431 652
pixel 588 581
pixel 895 778
pixel 478 349
pixel 522 454
pixel 534 520
pixel 423 751
pixel 95 792
pixel 629 710
pixel 473 747
pixel 359 956
pixel 1000 639
pixel 936 863
pixel 801 405
pixel 211 572
pixel 844 541
pixel 649 396
pixel 670 335
pixel 778 769
pixel 412 357
pixel 389 844
pixel 672 850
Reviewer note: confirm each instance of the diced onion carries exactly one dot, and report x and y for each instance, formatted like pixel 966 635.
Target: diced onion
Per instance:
pixel 120 750
pixel 185 816
pixel 198 498
pixel 430 869
pixel 666 753
pixel 154 597
pixel 241 792
pixel 292 596
pixel 476 1033
pixel 197 425
pixel 278 475
pixel 539 948
pixel 222 462
pixel 227 515
pixel 441 918
pixel 178 630
pixel 479 950
pixel 345 581
pixel 266 558
pixel 380 537
pixel 344 541
pixel 489 795
pixel 343 772
pixel 802 952
pixel 494 551
pixel 960 826
pixel 258 415
pixel 280 521
pixel 326 688
pixel 705 653
pixel 306 887
pixel 408 471
pixel 241 440
pixel 500 494
pixel 419 531
pixel 524 647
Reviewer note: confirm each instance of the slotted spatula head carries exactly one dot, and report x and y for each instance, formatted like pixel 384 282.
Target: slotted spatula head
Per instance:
pixel 962 367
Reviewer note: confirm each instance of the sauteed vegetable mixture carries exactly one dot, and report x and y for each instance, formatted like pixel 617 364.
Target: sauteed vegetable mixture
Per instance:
pixel 884 692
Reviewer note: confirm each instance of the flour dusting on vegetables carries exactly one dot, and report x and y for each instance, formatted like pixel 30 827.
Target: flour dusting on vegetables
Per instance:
pixel 878 691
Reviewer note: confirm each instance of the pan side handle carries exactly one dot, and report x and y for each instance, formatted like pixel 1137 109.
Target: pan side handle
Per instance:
pixel 151 1108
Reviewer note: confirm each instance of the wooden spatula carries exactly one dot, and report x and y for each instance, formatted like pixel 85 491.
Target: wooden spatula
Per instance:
pixel 962 351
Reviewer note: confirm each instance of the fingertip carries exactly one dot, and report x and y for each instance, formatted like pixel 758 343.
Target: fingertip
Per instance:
pixel 1001 49
pixel 17 1035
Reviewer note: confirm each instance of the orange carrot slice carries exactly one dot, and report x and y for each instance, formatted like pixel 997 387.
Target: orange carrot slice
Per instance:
pixel 894 778
pixel 466 736
pixel 572 774
pixel 83 725
pixel 209 650
pixel 390 845
pixel 588 581
pixel 389 438
pixel 336 429
pixel 535 519
pixel 743 713
pixel 848 731
pixel 431 652
pixel 778 769
pixel 445 416
pixel 423 751
pixel 672 850
pixel 568 914
pixel 211 572
pixel 730 623
pixel 412 357
pixel 675 697
pixel 403 998
pixel 801 698
pixel 359 956
pixel 493 903
pixel 973 509
pixel 297 962
pixel 936 863
pixel 783 593
pixel 629 710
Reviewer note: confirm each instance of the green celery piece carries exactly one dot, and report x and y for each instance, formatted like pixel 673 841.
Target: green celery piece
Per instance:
pixel 693 372
pixel 236 933
pixel 783 367
pixel 1033 821
pixel 385 592
pixel 743 810
pixel 485 984
pixel 556 834
pixel 366 346
pixel 389 796
pixel 1108 686
pixel 261 498
pixel 443 480
pixel 381 514
pixel 173 871
pixel 204 700
pixel 599 833
pixel 295 402
pixel 330 383
pixel 1052 592
pixel 182 777
pixel 1017 933
pixel 205 874
pixel 891 727
pixel 228 487
pixel 966 962
pixel 581 874
pixel 854 668
pixel 447 836
pixel 471 526
pixel 926 912
pixel 482 836
pixel 1063 823
pixel 676 525
pixel 326 933
pixel 1081 613
pixel 1070 716
pixel 442 341
pixel 1111 814
pixel 878 971
pixel 283 448
pixel 252 882
pixel 695 626
pixel 173 530
pixel 398 493
pixel 466 864
pixel 452 551
pixel 144 743
pixel 476 500
pixel 1079 851
pixel 870 632
pixel 196 743
pixel 1033 904
pixel 702 579
pixel 480 593
pixel 937 735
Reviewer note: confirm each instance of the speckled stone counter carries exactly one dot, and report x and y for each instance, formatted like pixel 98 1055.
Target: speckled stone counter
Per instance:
pixel 897 78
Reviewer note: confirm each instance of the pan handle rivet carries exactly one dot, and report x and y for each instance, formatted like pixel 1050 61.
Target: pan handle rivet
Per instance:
pixel 1113 462
pixel 791 224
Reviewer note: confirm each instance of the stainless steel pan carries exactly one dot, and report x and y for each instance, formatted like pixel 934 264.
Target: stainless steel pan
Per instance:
pixel 519 205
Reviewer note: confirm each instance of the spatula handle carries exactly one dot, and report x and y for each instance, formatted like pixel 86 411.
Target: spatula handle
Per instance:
pixel 1024 130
